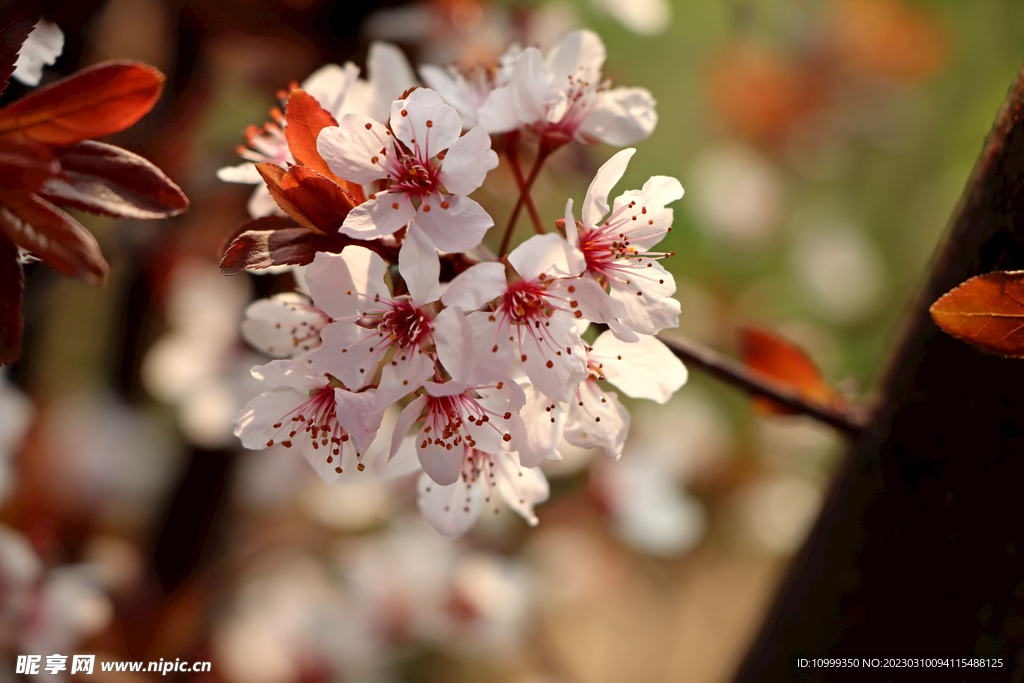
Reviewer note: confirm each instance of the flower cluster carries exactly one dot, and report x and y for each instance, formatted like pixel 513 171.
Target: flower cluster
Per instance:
pixel 401 305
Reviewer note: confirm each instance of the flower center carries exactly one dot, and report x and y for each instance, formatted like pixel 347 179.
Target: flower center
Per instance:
pixel 525 302
pixel 415 177
pixel 405 325
pixel 317 421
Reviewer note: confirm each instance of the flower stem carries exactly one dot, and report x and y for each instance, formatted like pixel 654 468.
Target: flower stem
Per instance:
pixel 512 152
pixel 731 372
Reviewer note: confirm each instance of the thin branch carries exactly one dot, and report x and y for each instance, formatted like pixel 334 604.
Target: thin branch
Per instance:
pixel 731 372
pixel 512 152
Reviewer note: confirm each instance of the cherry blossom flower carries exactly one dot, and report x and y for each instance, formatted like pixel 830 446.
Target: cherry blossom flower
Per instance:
pixel 368 323
pixel 534 319
pixel 389 76
pixel 562 98
pixel 642 369
pixel 617 247
pixel 453 510
pixel 429 171
pixel 285 325
pixel 455 415
pixel 331 426
pixel 482 96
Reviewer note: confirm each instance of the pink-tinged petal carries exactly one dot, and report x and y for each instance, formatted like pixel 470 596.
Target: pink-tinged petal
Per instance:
pixel 595 206
pixel 623 116
pixel 489 437
pixel 532 85
pixel 452 88
pixel 456 344
pixel 377 217
pixel 450 510
pixel 404 374
pixel 651 226
pixel 580 51
pixel 475 286
pixel 405 461
pixel 243 173
pixel 520 487
pixel 548 255
pixel 449 388
pixel 543 419
pixel 622 332
pixel 391 76
pixel 261 203
pixel 288 373
pixel 348 352
pixel 329 84
pixel 556 372
pixel 357 149
pixel 650 307
pixel 572 234
pixel 498 112
pixel 454 224
pixel 420 266
pixel 596 418
pixel 343 285
pixel 428 125
pixel 357 414
pixel 286 325
pixel 497 350
pixel 644 369
pixel 438 462
pixel 467 162
pixel 589 298
pixel 254 425
pixel 406 419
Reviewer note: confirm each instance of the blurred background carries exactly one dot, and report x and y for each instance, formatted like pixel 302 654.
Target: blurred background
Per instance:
pixel 822 145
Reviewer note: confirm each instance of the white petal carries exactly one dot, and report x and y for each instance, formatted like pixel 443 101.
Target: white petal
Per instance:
pixel 43 45
pixel 624 116
pixel 336 281
pixel 644 369
pixel 439 463
pixel 420 266
pixel 458 228
pixel 357 149
pixel 557 371
pixel 585 295
pixel 543 419
pixel 261 203
pixel 428 126
pixel 377 217
pixel 656 193
pixel 595 206
pixel 349 352
pixel 288 373
pixel 532 86
pixel 547 255
pixel 597 422
pixel 406 419
pixel 498 112
pixel 450 510
pixel 579 53
pixel 286 325
pixel 653 309
pixel 452 88
pixel 329 85
pixel 243 173
pixel 390 76
pixel 474 287
pixel 572 235
pixel 404 374
pixel 357 415
pixel 456 343
pixel 467 162
pixel 521 487
pixel 254 425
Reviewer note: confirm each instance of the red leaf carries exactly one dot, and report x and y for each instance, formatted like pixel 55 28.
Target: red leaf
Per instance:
pixel 109 180
pixel 12 284
pixel 786 365
pixel 986 311
pixel 16 22
pixel 305 119
pixel 272 176
pixel 56 238
pixel 261 248
pixel 25 164
pixel 91 103
pixel 321 200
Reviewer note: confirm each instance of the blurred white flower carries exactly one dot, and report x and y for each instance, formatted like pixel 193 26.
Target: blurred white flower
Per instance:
pixel 42 47
pixel 644 17
pixel 841 270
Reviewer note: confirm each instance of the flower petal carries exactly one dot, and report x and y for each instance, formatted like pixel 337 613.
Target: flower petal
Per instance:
pixel 425 123
pixel 343 284
pixel 547 255
pixel 450 510
pixel 595 206
pixel 623 116
pixel 475 286
pixel 377 217
pixel 420 266
pixel 357 149
pixel 520 487
pixel 596 418
pixel 467 162
pixel 644 369
pixel 454 224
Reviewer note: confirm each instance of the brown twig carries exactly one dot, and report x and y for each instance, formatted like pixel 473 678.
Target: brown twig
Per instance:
pixel 512 152
pixel 731 372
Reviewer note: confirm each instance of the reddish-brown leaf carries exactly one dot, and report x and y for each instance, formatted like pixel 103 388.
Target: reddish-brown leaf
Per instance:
pixel 322 200
pixel 786 365
pixel 56 238
pixel 272 176
pixel 91 103
pixel 16 22
pixel 12 283
pixel 305 119
pixel 25 164
pixel 986 311
pixel 109 180
pixel 258 248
